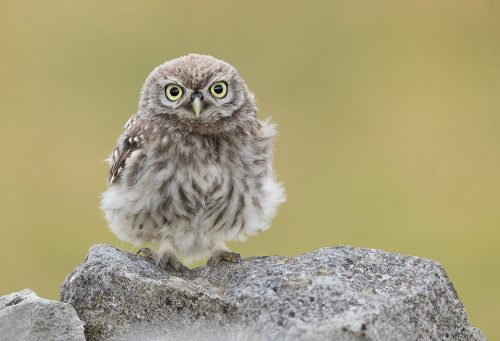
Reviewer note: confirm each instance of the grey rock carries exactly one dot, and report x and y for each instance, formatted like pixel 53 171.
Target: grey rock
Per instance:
pixel 25 316
pixel 340 293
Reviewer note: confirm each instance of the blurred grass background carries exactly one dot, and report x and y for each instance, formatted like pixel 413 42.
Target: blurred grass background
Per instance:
pixel 388 113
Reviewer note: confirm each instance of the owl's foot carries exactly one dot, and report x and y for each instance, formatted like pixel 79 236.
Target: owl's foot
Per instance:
pixel 163 260
pixel 168 258
pixel 221 255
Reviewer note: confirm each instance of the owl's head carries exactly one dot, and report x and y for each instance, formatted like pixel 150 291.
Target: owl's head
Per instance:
pixel 199 93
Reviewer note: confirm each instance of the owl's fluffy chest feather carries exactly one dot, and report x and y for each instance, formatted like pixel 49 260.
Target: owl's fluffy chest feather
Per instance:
pixel 194 191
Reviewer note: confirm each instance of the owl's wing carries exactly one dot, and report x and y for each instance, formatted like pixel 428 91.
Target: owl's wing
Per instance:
pixel 129 141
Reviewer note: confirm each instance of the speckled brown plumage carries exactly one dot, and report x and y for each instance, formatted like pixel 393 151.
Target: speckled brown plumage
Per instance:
pixel 190 181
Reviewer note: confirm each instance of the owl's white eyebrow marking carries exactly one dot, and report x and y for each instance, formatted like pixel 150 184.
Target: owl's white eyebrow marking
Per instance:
pixel 216 78
pixel 170 80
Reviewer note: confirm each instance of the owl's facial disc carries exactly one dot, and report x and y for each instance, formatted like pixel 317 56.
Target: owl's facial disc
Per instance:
pixel 197 93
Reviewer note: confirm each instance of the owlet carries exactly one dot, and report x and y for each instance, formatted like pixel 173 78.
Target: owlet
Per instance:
pixel 193 166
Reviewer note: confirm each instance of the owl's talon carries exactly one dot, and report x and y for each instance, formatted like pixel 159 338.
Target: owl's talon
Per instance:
pixel 227 256
pixel 147 253
pixel 163 260
pixel 168 258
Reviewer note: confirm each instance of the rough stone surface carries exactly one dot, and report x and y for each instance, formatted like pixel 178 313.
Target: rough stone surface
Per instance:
pixel 25 316
pixel 341 293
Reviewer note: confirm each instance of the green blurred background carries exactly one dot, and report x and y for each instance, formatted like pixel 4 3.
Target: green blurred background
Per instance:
pixel 388 111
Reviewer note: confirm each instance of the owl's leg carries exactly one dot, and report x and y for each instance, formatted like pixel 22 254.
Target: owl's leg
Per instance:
pixel 164 257
pixel 221 253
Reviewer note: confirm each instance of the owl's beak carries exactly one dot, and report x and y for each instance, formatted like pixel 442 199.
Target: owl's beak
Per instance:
pixel 196 103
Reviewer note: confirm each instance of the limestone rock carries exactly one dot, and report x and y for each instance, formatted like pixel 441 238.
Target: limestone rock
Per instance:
pixel 25 316
pixel 340 293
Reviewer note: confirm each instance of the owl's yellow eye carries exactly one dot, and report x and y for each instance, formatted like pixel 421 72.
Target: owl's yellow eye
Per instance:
pixel 173 92
pixel 219 89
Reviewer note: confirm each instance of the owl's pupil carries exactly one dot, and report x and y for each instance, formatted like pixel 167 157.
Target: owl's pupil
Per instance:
pixel 218 89
pixel 174 91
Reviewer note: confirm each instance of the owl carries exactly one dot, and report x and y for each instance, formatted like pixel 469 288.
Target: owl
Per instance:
pixel 193 166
